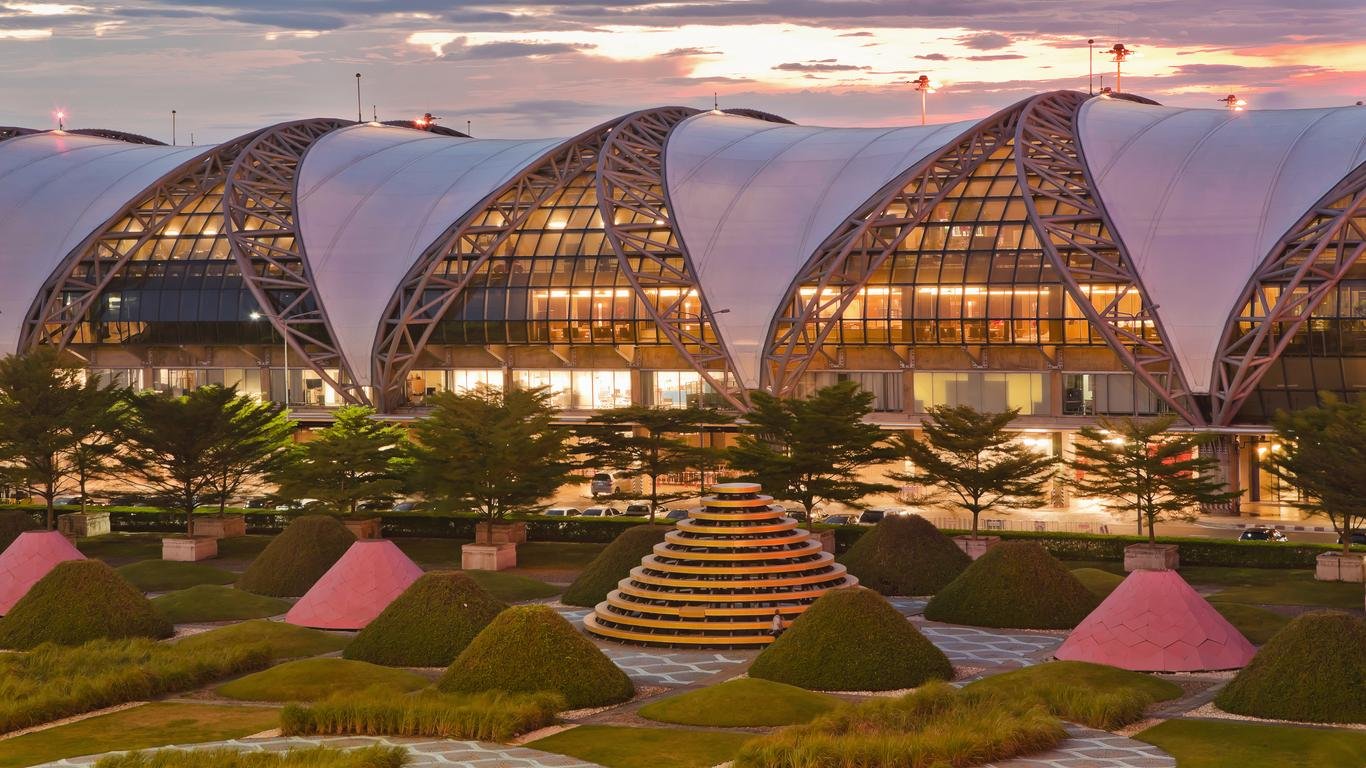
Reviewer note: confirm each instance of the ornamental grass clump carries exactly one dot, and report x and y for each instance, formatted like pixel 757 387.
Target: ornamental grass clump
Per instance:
pixel 429 624
pixel 532 649
pixel 1313 670
pixel 814 652
pixel 298 557
pixel 905 555
pixel 1091 694
pixel 613 564
pixel 934 726
pixel 53 681
pixel 481 717
pixel 224 757
pixel 79 601
pixel 1018 585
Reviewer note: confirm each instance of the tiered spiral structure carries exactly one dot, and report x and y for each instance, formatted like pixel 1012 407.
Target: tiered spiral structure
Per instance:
pixel 719 578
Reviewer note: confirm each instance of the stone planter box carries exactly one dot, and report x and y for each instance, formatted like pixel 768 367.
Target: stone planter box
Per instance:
pixel 365 529
pixel 488 557
pixel 1151 557
pixel 495 534
pixel 1335 566
pixel 76 525
pixel 827 540
pixel 189 549
pixel 226 527
pixel 975 547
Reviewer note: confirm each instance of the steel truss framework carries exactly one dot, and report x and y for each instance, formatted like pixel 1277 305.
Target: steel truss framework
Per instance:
pixel 1302 269
pixel 263 230
pixel 447 266
pixel 1079 239
pixel 74 287
pixel 636 216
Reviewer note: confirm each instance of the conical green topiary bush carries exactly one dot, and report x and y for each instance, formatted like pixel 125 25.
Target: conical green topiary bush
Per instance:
pixel 429 624
pixel 905 555
pixel 613 564
pixel 1313 670
pixel 79 601
pixel 818 651
pixel 532 649
pixel 1016 584
pixel 298 557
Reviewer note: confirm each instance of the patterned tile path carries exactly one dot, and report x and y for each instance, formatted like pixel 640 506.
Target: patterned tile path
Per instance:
pixel 990 647
pixel 426 753
pixel 908 606
pixel 661 666
pixel 1089 748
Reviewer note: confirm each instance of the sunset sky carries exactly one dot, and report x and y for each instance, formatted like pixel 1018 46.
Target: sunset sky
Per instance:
pixel 554 68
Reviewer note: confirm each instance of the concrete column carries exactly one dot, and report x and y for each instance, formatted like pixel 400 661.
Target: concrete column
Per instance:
pixel 1224 450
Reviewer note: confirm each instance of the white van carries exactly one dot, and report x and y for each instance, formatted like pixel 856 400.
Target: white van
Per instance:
pixel 608 482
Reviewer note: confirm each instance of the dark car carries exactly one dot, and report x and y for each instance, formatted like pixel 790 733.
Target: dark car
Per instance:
pixel 676 514
pixel 1356 537
pixel 871 516
pixel 1262 533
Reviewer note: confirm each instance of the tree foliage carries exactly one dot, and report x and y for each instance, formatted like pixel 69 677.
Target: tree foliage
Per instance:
pixel 354 460
pixel 970 455
pixel 810 450
pixel 1144 469
pixel 1323 454
pixel 498 452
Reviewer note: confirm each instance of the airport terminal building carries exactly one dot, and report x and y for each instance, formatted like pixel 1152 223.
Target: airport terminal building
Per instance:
pixel 1069 256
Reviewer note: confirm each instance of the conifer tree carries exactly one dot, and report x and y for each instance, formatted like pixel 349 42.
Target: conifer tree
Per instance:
pixel 354 460
pixel 1323 454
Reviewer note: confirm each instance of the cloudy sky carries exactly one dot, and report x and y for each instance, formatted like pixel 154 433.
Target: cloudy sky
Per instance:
pixel 554 68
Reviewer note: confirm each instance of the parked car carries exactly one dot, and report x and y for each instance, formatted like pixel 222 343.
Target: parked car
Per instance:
pixel 561 512
pixel 871 516
pixel 839 519
pixel 602 512
pixel 608 482
pixel 259 503
pixel 639 509
pixel 130 500
pixel 796 513
pixel 1262 533
pixel 409 506
pixel 66 501
pixel 675 514
pixel 1357 536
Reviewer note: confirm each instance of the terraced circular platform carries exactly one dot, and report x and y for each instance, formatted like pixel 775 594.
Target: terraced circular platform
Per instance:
pixel 718 579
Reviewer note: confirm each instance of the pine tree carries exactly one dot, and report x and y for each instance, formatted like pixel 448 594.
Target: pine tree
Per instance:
pixel 970 455
pixel 644 442
pixel 810 450
pixel 498 452
pixel 1323 454
pixel 354 460
pixel 1144 469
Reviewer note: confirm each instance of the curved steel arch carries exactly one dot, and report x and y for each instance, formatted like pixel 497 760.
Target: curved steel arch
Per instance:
pixel 1079 238
pixel 258 212
pixel 84 274
pixel 1305 265
pixel 413 314
pixel 636 215
pixel 866 239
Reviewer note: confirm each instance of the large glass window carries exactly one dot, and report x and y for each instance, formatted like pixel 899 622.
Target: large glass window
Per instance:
pixel 130 378
pixel 580 390
pixel 884 385
pixel 422 384
pixel 178 381
pixel 1100 394
pixel 993 392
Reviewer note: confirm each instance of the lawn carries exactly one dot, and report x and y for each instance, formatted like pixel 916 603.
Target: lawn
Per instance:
pixel 1101 583
pixel 557 555
pixel 226 757
pixel 166 575
pixel 616 747
pixel 284 641
pixel 1091 694
pixel 1258 586
pixel 142 727
pixel 1256 624
pixel 1222 743
pixel 316 679
pixel 511 587
pixel 211 602
pixel 745 702
pixel 122 547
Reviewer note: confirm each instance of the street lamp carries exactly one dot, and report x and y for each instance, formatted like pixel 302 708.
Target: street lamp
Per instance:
pixel 359 117
pixel 1090 66
pixel 60 117
pixel 1120 54
pixel 924 86
pixel 1233 103
pixel 173 127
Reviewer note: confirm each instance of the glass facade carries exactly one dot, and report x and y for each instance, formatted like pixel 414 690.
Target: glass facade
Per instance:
pixel 178 381
pixel 579 390
pixel 423 384
pixel 886 386
pixel 1108 394
pixel 982 390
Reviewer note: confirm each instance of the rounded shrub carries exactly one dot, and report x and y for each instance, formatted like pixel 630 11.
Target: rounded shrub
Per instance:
pixel 1016 584
pixel 815 652
pixel 613 564
pixel 298 557
pixel 79 601
pixel 429 624
pixel 532 649
pixel 1313 671
pixel 905 555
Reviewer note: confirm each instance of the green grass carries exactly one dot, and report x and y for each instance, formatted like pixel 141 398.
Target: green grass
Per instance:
pixel 512 587
pixel 122 547
pixel 142 727
pixel 281 641
pixel 1257 624
pixel 243 548
pixel 483 717
pixel 316 679
pixel 558 555
pixel 1220 744
pixel 746 702
pixel 211 602
pixel 616 747
pixel 1092 694
pixel 1101 583
pixel 79 601
pixel 224 757
pixel 166 575
pixel 1292 588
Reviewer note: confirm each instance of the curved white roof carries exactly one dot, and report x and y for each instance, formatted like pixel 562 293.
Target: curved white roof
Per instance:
pixel 1200 196
pixel 373 198
pixel 753 200
pixel 55 190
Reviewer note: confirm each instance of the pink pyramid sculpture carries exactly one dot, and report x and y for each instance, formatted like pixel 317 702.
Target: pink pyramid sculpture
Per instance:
pixel 1155 622
pixel 27 560
pixel 356 588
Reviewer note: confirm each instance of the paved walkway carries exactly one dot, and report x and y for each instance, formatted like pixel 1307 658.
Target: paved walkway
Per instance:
pixel 1088 748
pixel 426 753
pixel 990 647
pixel 661 666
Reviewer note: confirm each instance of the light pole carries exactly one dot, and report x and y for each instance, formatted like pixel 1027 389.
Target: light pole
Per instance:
pixel 360 118
pixel 1090 66
pixel 1233 103
pixel 1120 54
pixel 173 127
pixel 924 86
pixel 61 116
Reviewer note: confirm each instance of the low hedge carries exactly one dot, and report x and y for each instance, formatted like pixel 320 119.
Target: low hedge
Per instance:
pixel 1313 670
pixel 481 717
pixel 79 601
pixel 429 624
pixel 227 757
pixel 905 555
pixel 613 564
pixel 295 560
pixel 14 522
pixel 1017 585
